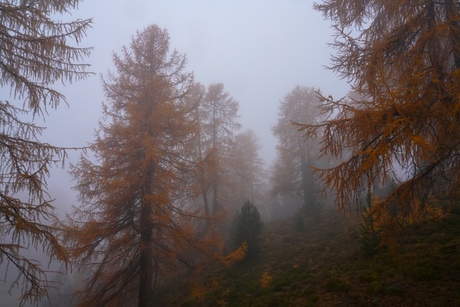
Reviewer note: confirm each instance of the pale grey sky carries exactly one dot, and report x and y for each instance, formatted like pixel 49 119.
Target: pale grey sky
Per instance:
pixel 259 49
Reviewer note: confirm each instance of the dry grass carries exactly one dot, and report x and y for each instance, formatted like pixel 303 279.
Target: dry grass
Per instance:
pixel 323 266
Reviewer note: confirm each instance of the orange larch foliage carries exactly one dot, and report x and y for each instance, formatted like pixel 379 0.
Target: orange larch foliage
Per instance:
pixel 402 59
pixel 37 51
pixel 216 113
pixel 137 220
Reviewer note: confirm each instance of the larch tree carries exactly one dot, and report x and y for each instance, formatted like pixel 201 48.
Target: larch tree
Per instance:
pixel 136 222
pixel 403 60
pixel 217 115
pixel 292 172
pixel 36 51
pixel 200 153
pixel 247 171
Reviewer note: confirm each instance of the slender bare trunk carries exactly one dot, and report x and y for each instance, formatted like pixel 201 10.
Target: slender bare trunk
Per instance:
pixel 215 203
pixel 146 281
pixel 205 201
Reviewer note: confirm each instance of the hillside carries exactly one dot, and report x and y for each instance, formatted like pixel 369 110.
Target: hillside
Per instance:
pixel 322 265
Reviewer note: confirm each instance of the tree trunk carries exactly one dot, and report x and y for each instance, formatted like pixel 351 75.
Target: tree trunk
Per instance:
pixel 452 15
pixel 304 174
pixel 215 203
pixel 204 191
pixel 146 281
pixel 305 188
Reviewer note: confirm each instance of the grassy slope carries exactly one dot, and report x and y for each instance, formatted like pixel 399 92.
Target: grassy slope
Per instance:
pixel 323 266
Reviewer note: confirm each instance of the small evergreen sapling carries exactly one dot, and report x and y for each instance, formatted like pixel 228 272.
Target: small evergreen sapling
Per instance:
pixel 299 224
pixel 247 227
pixel 370 233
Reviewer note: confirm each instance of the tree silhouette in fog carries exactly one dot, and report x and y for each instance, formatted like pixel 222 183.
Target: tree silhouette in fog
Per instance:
pixel 292 172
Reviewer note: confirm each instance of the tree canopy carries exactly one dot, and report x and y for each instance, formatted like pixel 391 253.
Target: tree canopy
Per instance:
pixel 35 52
pixel 247 171
pixel 246 228
pixel 402 59
pixel 138 220
pixel 216 113
pixel 292 172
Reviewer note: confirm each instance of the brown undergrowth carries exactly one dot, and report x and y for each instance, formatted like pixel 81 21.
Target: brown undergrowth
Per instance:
pixel 322 265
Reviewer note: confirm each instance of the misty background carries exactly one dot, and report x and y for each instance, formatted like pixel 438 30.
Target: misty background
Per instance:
pixel 259 49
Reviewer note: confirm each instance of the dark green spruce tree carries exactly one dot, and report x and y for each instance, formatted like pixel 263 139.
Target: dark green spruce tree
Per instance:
pixel 247 227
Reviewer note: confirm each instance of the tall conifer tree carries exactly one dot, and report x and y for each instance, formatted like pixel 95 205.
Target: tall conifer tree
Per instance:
pixel 136 220
pixel 217 115
pixel 292 173
pixel 247 170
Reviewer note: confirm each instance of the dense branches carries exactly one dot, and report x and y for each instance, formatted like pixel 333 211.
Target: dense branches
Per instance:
pixel 246 228
pixel 35 52
pixel 247 170
pixel 292 173
pixel 401 57
pixel 216 113
pixel 137 220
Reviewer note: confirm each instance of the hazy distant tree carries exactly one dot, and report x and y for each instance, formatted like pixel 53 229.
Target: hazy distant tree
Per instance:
pixel 35 52
pixel 218 122
pixel 292 171
pixel 61 294
pixel 200 153
pixel 247 169
pixel 283 176
pixel 403 58
pixel 135 220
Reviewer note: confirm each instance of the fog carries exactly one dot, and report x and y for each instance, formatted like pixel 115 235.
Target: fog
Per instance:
pixel 259 49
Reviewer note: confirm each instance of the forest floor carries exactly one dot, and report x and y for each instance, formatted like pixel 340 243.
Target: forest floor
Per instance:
pixel 323 265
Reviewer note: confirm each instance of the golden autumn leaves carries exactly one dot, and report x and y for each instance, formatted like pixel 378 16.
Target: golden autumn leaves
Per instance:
pixel 402 61
pixel 158 158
